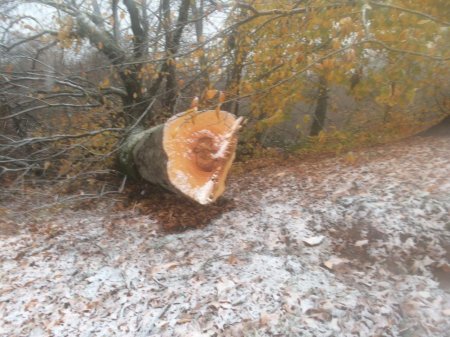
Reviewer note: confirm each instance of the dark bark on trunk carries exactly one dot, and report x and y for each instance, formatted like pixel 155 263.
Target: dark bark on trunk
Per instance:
pixel 133 102
pixel 238 56
pixel 116 24
pixel 150 159
pixel 320 112
pixel 145 27
pixel 235 75
pixel 203 62
pixel 143 156
pixel 172 47
pixel 139 37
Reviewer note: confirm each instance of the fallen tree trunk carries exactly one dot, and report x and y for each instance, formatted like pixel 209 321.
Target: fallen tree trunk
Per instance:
pixel 190 154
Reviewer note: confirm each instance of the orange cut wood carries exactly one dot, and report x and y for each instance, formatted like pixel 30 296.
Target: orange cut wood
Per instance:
pixel 191 154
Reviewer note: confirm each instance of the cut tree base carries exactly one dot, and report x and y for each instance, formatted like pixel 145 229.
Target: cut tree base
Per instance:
pixel 191 154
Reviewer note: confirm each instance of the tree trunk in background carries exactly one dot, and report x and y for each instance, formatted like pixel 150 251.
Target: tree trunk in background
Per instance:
pixel 190 154
pixel 238 53
pixel 202 60
pixel 173 40
pixel 133 101
pixel 234 74
pixel 320 113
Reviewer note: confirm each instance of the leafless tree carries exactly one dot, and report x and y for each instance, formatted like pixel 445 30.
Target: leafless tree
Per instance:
pixel 112 65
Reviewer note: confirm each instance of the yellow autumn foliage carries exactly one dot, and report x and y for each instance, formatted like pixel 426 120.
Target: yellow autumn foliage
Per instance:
pixel 404 49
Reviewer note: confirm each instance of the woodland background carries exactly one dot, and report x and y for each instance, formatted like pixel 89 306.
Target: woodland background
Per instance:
pixel 78 76
pixel 335 221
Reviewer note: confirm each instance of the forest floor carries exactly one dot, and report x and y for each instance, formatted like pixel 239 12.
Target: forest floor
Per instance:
pixel 313 247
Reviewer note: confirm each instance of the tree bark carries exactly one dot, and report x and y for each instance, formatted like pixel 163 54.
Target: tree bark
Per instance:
pixel 173 41
pixel 190 154
pixel 202 60
pixel 234 76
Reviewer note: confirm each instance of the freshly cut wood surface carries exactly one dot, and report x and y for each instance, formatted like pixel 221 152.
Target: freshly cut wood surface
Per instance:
pixel 200 150
pixel 191 154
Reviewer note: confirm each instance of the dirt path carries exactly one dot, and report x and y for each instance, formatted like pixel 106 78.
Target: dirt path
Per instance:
pixel 315 248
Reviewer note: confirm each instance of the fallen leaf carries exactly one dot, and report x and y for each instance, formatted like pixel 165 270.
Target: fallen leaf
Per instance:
pixel 267 318
pixel 31 304
pixel 361 243
pixel 210 94
pixel 232 259
pixel 350 158
pixel 410 307
pixel 184 320
pixel 334 262
pixel 264 319
pixel 314 240
pixel 224 285
pixel 164 267
pixel 215 305
pixel 319 314
pixel 295 213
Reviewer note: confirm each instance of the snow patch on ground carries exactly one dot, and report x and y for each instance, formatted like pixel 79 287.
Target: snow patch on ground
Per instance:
pixel 250 273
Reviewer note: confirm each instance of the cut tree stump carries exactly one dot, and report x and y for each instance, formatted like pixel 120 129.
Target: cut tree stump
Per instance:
pixel 190 154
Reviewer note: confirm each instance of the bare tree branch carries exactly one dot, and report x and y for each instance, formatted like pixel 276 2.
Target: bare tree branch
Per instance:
pixel 30 38
pixel 54 138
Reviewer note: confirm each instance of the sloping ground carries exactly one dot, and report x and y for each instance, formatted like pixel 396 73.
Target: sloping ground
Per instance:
pixel 319 248
pixel 440 129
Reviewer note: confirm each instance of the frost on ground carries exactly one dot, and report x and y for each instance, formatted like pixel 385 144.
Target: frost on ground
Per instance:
pixel 319 248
